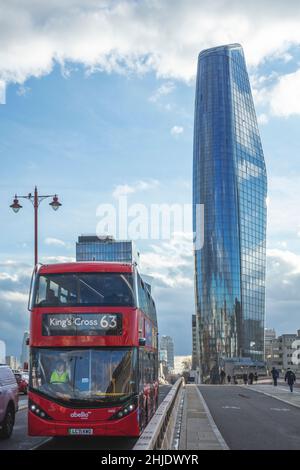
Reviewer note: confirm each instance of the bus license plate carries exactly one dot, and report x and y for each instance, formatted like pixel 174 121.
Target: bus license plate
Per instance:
pixel 81 432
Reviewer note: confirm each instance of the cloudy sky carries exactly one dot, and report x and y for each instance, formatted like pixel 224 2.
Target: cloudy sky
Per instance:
pixel 97 100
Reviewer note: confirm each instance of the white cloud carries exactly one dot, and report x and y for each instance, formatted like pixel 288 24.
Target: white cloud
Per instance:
pixel 2 92
pixel 13 296
pixel 164 89
pixel 283 290
pixel 283 208
pixel 54 242
pixel 176 130
pixel 262 119
pixel 23 90
pixel 284 98
pixel 7 276
pixel 14 289
pixel 278 94
pixel 58 259
pixel 142 185
pixel 170 264
pixel 171 261
pixel 123 36
pixel 286 258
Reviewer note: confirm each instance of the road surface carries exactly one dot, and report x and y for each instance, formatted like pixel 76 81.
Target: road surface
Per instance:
pixel 249 420
pixel 21 441
pixel 97 443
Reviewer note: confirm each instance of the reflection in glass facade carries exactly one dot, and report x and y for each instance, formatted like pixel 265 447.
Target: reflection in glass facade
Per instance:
pixel 229 178
pixel 93 248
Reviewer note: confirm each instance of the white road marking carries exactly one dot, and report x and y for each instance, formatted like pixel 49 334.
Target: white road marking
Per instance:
pixel 280 409
pixel 232 407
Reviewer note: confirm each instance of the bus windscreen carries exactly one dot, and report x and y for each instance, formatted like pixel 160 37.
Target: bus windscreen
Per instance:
pixel 84 377
pixel 84 289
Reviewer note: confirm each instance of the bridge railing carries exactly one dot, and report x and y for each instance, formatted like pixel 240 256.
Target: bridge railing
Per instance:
pixel 159 432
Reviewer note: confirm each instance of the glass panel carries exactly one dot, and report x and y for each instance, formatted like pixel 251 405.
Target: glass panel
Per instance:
pixel 85 376
pixel 85 289
pixel 229 179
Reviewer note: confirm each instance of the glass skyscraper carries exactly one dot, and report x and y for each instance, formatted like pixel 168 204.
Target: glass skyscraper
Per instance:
pixel 229 179
pixel 94 248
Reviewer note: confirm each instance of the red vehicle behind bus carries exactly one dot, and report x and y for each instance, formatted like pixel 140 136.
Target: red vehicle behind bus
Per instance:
pixel 93 351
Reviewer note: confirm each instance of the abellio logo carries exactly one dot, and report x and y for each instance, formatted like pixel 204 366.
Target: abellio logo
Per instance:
pixel 81 415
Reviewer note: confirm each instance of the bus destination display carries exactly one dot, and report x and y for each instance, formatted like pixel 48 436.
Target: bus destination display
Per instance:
pixel 81 324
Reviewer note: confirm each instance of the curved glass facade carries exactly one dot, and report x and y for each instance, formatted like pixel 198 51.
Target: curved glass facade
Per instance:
pixel 229 179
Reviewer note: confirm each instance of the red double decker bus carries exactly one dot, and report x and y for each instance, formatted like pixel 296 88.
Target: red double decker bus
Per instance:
pixel 93 351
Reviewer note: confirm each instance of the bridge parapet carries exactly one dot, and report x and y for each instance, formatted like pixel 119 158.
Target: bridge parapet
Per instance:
pixel 159 433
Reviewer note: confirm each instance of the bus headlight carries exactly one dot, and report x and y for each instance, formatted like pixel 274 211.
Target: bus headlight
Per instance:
pixel 38 411
pixel 124 411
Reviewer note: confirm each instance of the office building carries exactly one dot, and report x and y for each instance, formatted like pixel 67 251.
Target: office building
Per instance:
pixel 93 248
pixel 229 181
pixel 2 351
pixel 25 351
pixel 167 344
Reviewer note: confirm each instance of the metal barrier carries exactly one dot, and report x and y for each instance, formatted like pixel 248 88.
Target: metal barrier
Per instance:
pixel 159 432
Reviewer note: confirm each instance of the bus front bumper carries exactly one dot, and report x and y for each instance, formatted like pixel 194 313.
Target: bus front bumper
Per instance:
pixel 127 426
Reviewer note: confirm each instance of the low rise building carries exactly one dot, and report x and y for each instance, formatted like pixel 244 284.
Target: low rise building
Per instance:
pixel 285 352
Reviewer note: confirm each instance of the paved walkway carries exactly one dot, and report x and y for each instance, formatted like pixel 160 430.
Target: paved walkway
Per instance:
pixel 280 392
pixel 198 430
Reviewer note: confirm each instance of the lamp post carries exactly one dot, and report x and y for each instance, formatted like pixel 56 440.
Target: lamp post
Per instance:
pixel 35 199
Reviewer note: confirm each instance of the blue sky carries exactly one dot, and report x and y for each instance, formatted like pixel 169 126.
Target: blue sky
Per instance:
pixel 99 96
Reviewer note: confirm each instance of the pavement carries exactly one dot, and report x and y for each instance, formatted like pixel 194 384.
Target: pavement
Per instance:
pixel 248 418
pixel 281 392
pixel 198 430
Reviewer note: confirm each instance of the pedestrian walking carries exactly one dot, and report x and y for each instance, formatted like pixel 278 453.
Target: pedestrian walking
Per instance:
pixel 235 380
pixel 245 379
pixel 290 378
pixel 229 378
pixel 222 376
pixel 275 375
pixel 250 378
pixel 255 377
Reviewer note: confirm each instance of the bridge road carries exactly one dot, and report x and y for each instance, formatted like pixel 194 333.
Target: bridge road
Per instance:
pixel 21 441
pixel 97 443
pixel 249 420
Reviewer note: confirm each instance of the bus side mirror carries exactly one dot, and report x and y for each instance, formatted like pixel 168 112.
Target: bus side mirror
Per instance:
pixel 142 341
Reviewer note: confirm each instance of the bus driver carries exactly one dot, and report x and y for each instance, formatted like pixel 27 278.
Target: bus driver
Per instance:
pixel 60 375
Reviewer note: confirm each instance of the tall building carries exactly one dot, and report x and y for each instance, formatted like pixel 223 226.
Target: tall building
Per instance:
pixel 182 363
pixel 166 343
pixel 12 362
pixel 195 352
pixel 270 335
pixel 2 352
pixel 93 248
pixel 25 351
pixel 229 179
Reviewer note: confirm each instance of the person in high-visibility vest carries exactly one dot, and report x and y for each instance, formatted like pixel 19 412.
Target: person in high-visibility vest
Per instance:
pixel 60 375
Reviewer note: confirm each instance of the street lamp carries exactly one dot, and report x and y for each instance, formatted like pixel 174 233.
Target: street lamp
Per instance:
pixel 55 204
pixel 15 206
pixel 35 199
